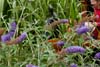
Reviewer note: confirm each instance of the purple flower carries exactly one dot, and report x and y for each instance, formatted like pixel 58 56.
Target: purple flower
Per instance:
pixel 11 33
pixel 64 20
pixel 75 49
pixel 97 55
pixel 73 65
pixel 5 38
pixel 13 28
pixel 60 43
pixel 30 65
pixel 22 37
pixel 82 29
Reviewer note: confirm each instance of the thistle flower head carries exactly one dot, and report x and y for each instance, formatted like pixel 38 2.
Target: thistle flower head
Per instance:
pixel 30 65
pixel 60 43
pixel 73 65
pixel 82 29
pixel 97 55
pixel 75 49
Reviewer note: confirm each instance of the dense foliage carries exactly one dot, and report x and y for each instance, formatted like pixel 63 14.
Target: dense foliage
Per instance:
pixel 30 17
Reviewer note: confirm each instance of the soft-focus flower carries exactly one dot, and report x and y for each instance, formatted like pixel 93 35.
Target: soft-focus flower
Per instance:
pixel 64 20
pixel 7 37
pixel 75 49
pixel 13 26
pixel 60 43
pixel 82 29
pixel 21 37
pixel 97 16
pixel 18 39
pixel 30 65
pixel 13 29
pixel 97 55
pixel 73 65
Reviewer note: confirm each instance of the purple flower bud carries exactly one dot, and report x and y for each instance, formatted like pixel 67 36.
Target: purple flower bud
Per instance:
pixel 30 65
pixel 63 20
pixel 97 55
pixel 5 38
pixel 13 26
pixel 60 43
pixel 82 30
pixel 73 65
pixel 22 37
pixel 75 49
pixel 10 34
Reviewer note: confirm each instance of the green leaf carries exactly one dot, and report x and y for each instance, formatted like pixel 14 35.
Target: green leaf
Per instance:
pixel 1 6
